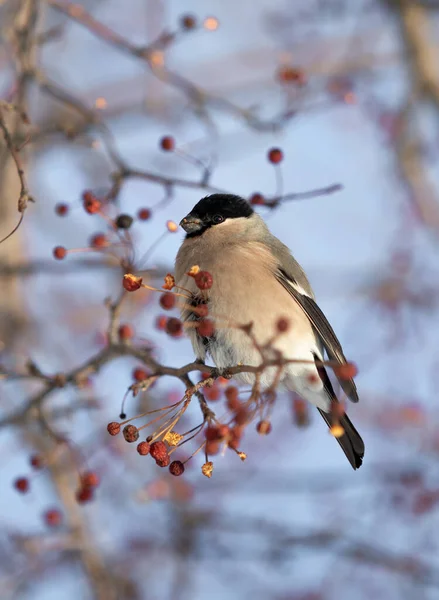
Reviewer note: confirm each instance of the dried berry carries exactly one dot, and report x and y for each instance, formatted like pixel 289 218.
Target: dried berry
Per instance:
pixel 143 448
pixel 130 433
pixel 206 328
pixel 53 517
pixel 203 280
pixel 126 332
pixel 275 156
pixel 167 143
pixel 257 199
pixel 174 327
pixel 139 374
pixel 84 494
pixel 167 301
pixel 99 240
pixel 61 209
pixel 346 371
pixel 158 450
pixel 113 428
pixel 176 468
pixel 263 427
pixel 144 214
pixel 123 221
pixel 22 485
pixel 90 479
pixel 131 283
pixel 91 204
pixel 59 252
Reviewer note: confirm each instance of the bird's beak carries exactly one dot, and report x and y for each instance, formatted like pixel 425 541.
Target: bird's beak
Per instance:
pixel 191 224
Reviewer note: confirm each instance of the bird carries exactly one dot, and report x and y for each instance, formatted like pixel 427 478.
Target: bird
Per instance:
pixel 257 281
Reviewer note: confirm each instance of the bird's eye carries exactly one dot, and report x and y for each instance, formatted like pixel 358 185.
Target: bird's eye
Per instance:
pixel 218 219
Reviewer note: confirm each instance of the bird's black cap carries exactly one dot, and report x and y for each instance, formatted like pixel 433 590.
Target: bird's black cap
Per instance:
pixel 215 209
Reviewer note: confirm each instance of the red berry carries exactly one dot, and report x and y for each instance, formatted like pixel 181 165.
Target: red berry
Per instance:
pixel 22 485
pixel 212 393
pixel 99 240
pixel 288 74
pixel 167 143
pixel 53 517
pixel 84 494
pixel 257 199
pixel 36 461
pixel 300 412
pixel 126 332
pixel 174 327
pixel 113 428
pixel 131 283
pixel 202 310
pixel 90 479
pixel 143 448
pixel 211 433
pixel 223 431
pixel 213 447
pixel 263 427
pixel 167 300
pixel 59 252
pixel 275 156
pixel 232 396
pixel 203 280
pixel 206 328
pixel 91 204
pixel 161 322
pixel 61 209
pixel 176 468
pixel 158 450
pixel 163 462
pixel 241 416
pixel 188 22
pixel 130 433
pixel 346 371
pixel 144 214
pixel 139 374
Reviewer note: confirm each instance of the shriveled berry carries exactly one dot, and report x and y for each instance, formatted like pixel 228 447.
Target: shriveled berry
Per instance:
pixel 90 479
pixel 174 327
pixel 167 143
pixel 61 209
pixel 288 74
pixel 131 283
pixel 36 461
pixel 203 280
pixel 212 393
pixel 275 156
pixel 91 204
pixel 84 494
pixel 206 328
pixel 161 322
pixel 22 485
pixel 99 240
pixel 59 252
pixel 167 300
pixel 176 468
pixel 346 371
pixel 263 427
pixel 144 214
pixel 113 428
pixel 53 517
pixel 139 374
pixel 130 433
pixel 123 221
pixel 126 332
pixel 143 448
pixel 257 199
pixel 188 22
pixel 158 450
pixel 163 462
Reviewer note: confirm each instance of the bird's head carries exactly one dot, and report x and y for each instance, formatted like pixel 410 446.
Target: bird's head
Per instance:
pixel 214 211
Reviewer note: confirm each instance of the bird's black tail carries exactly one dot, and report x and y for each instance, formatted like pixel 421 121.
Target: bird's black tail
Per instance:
pixel 351 442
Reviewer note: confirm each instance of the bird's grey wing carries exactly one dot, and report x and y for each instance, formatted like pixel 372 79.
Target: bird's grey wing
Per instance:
pixel 323 330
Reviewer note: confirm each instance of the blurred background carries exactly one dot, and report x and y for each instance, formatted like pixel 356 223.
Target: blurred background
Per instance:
pixel 349 91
